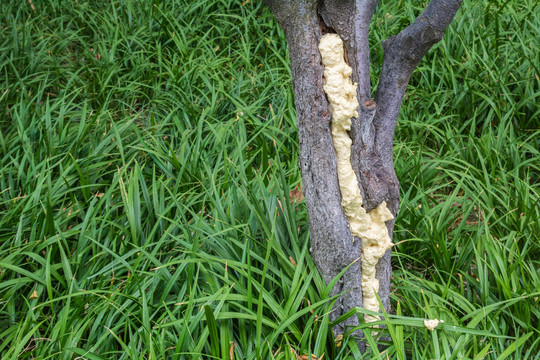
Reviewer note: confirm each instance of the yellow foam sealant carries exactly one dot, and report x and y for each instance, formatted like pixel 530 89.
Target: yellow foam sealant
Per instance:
pixel 432 324
pixel 369 227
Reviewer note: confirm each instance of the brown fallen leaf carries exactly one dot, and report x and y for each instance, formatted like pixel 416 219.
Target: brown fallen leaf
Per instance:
pixel 306 356
pixel 296 195
pixel 292 261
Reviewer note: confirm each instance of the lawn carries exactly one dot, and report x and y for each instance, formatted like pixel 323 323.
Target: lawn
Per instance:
pixel 149 187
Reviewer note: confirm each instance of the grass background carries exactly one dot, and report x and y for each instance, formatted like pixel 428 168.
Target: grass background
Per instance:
pixel 149 204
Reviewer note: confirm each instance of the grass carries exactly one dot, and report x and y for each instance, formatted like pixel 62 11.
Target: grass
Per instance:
pixel 147 187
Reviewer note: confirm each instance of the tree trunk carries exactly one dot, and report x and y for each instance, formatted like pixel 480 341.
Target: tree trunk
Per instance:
pixel 304 22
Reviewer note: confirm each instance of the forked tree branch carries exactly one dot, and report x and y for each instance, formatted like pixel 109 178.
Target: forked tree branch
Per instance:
pixel 304 22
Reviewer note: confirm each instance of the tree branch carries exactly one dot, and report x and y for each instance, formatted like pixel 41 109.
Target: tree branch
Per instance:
pixel 354 31
pixel 402 53
pixel 413 42
pixel 364 10
pixel 291 12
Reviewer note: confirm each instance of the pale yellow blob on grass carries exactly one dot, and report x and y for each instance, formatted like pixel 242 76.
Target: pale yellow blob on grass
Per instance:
pixel 370 227
pixel 432 324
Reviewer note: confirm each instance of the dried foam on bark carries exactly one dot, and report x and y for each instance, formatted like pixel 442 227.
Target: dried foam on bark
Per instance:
pixel 369 227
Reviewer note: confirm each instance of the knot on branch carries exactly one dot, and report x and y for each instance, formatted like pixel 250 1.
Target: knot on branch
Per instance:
pixel 370 104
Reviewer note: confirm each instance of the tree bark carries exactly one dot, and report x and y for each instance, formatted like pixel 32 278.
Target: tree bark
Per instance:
pixel 304 22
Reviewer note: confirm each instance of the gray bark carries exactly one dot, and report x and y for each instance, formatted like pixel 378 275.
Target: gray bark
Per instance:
pixel 304 22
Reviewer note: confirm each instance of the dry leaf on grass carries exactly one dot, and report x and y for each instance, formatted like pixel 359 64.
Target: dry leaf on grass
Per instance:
pixel 296 195
pixel 306 356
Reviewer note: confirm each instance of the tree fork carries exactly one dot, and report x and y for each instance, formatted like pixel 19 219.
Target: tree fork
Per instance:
pixel 304 22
